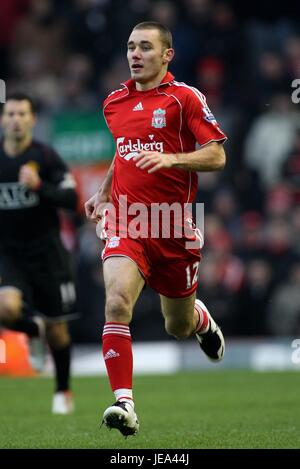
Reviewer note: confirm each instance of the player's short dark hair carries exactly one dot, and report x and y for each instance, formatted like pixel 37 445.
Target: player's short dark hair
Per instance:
pixel 19 96
pixel 165 33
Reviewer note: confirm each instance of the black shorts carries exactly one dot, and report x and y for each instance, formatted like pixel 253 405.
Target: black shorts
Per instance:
pixel 46 279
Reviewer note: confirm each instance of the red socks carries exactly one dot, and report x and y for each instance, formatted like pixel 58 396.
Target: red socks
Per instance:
pixel 203 321
pixel 117 353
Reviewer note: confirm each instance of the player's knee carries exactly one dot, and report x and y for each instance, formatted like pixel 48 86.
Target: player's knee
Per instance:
pixel 10 304
pixel 57 334
pixel 118 308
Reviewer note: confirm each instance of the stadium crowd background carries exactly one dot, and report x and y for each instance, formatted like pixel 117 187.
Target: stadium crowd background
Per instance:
pixel 69 54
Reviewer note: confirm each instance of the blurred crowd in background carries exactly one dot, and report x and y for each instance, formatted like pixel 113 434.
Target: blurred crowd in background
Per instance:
pixel 70 54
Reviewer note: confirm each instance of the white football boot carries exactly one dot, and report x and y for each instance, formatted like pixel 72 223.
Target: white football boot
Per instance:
pixel 121 416
pixel 63 403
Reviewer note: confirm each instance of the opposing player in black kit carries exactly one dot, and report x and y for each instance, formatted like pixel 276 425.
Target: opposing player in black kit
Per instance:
pixel 37 294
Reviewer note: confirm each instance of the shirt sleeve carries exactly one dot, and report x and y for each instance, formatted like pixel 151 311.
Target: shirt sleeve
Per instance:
pixel 58 186
pixel 56 169
pixel 200 120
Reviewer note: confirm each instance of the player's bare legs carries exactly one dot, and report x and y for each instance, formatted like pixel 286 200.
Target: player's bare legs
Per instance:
pixel 180 318
pixel 123 284
pixel 12 308
pixel 187 316
pixel 57 334
pixel 10 304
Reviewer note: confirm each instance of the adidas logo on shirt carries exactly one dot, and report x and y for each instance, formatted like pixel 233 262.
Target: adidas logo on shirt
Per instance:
pixel 138 107
pixel 111 354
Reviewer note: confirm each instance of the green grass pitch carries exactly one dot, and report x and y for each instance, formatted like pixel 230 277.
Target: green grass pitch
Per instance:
pixel 226 409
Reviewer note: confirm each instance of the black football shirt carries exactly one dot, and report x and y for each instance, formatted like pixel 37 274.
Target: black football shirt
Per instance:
pixel 28 217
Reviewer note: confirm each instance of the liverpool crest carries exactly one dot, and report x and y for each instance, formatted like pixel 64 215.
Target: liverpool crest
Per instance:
pixel 159 118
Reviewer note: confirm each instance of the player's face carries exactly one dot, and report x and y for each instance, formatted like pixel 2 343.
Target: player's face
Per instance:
pixel 147 56
pixel 17 119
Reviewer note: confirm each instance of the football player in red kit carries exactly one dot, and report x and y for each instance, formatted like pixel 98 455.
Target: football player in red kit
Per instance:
pixel 156 123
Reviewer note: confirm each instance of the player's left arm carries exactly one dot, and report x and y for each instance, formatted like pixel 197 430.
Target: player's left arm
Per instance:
pixel 58 187
pixel 208 158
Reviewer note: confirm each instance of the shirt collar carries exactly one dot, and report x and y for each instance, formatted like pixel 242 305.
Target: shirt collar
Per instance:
pixel 168 78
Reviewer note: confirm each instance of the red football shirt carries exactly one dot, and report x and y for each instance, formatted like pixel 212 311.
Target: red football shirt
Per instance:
pixel 170 118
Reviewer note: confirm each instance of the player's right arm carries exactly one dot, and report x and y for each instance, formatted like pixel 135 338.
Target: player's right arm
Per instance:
pixel 95 205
